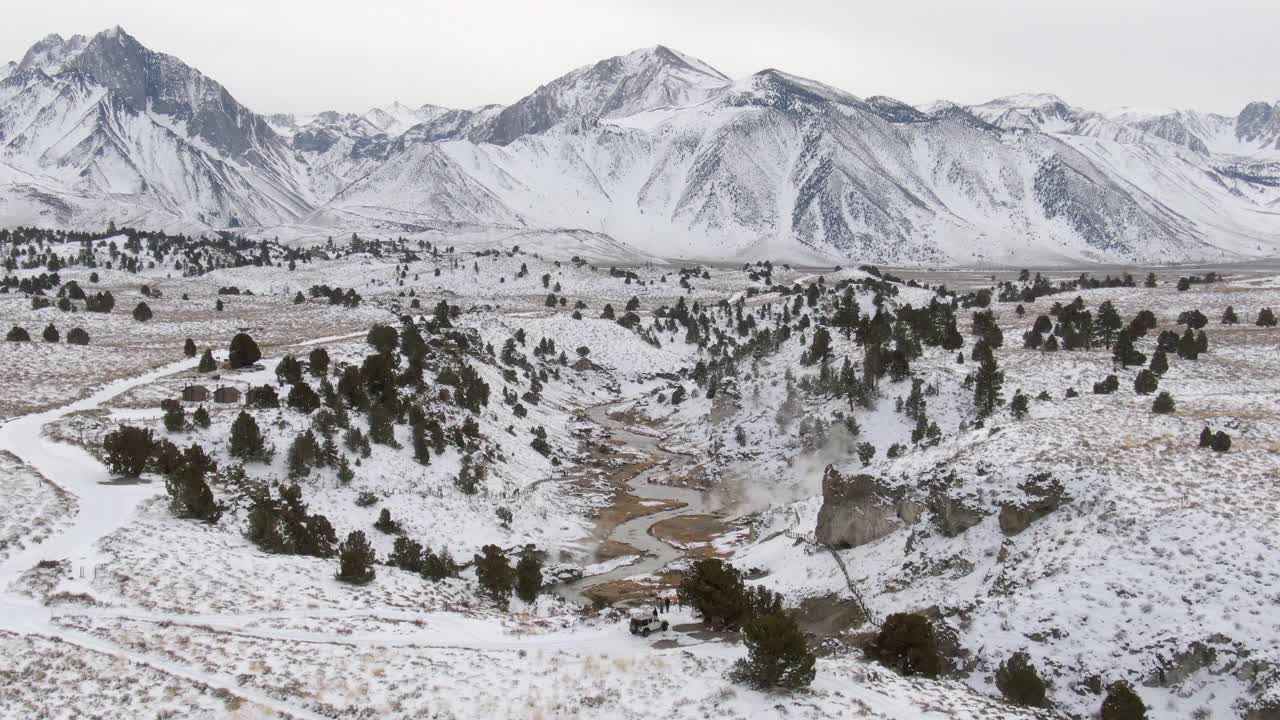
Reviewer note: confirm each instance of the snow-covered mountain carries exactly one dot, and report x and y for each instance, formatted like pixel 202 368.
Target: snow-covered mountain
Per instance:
pixel 655 148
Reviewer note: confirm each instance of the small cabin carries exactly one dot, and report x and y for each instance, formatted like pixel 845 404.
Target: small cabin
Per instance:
pixel 195 393
pixel 226 394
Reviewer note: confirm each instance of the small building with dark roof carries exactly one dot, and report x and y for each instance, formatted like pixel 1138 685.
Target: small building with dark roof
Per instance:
pixel 226 394
pixel 195 393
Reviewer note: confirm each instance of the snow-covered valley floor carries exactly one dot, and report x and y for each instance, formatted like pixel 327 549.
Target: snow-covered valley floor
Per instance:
pixel 1160 568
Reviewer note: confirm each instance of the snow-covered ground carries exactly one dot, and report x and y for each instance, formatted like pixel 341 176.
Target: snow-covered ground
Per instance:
pixel 1159 569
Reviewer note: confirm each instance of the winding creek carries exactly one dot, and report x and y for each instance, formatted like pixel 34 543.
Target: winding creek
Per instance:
pixel 646 485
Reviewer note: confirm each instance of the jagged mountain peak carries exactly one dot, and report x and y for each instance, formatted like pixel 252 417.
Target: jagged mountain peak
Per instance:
pixel 701 161
pixel 52 53
pixel 395 117
pixel 666 55
pixel 641 80
pixel 1259 122
pixel 774 88
pixel 895 110
pixel 1023 100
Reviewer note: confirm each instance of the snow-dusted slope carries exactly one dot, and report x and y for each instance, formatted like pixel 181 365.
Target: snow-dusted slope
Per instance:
pixel 654 148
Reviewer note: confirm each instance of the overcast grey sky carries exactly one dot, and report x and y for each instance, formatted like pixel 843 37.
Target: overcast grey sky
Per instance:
pixel 306 55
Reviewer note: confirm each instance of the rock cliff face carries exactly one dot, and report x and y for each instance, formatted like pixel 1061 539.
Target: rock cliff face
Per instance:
pixel 862 509
pixel 859 510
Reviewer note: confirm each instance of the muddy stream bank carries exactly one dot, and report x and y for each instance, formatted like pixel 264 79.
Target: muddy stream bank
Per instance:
pixel 648 486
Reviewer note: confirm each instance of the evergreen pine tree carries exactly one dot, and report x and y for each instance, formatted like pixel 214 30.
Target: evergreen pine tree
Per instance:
pixel 189 348
pixel 345 473
pixel 438 566
pixel 288 370
pixel 303 455
pixel 714 589
pixel 189 493
pixel 318 362
pixel 78 336
pixel 1109 323
pixel 1019 682
pixel 406 554
pixel 207 363
pixel 201 417
pixel 385 524
pixel 355 559
pixel 1018 406
pixel 987 383
pixel 1206 437
pixel 51 334
pixel 1146 382
pixel 528 575
pixel 302 398
pixel 777 654
pixel 1122 703
pixel 1187 347
pixel 820 349
pixel 243 352
pixel 246 442
pixel 494 574
pixel 908 644
pixel 1266 318
pixel 142 312
pixel 1124 353
pixel 175 420
pixel 1159 362
pixel 421 444
pixel 127 450
pixel 1163 404
pixel 1109 384
pixel 1221 442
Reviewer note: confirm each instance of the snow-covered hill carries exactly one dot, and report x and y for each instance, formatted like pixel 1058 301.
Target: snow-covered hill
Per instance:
pixel 654 148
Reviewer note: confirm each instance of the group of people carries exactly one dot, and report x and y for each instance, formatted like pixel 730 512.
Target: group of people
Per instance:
pixel 662 604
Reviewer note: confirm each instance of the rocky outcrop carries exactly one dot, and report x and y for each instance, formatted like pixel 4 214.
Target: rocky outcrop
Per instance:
pixel 857 510
pixel 1044 494
pixel 1264 710
pixel 1181 665
pixel 861 509
pixel 952 516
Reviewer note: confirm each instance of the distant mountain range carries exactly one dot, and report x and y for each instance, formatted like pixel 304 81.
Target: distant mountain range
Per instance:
pixel 654 148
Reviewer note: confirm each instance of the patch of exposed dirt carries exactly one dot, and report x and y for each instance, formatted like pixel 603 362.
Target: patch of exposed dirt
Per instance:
pixel 695 534
pixel 829 615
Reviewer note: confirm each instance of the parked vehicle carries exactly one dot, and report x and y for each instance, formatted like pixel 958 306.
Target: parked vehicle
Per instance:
pixel 645 623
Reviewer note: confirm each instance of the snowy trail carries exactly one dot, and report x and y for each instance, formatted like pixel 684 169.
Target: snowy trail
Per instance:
pixel 103 508
pixel 212 680
pixel 437 629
